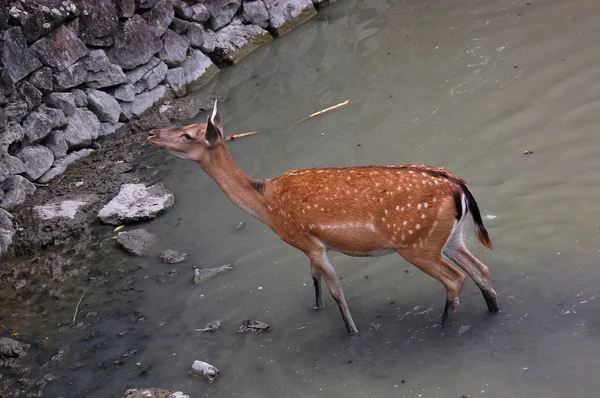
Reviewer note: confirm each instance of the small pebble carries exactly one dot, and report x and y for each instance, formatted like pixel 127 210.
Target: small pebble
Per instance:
pixel 528 153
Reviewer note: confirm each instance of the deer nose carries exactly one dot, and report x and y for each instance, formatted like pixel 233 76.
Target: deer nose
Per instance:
pixel 152 133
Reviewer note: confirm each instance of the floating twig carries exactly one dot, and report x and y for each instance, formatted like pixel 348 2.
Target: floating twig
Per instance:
pixel 7 329
pixel 241 135
pixel 120 227
pixel 77 306
pixel 331 108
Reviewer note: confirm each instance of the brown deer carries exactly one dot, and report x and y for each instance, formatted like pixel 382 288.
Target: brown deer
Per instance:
pixel 415 210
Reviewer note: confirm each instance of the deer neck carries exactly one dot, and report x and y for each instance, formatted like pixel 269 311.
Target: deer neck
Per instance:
pixel 236 185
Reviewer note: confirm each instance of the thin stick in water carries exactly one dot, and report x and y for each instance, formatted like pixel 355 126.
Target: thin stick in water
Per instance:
pixel 77 306
pixel 331 108
pixel 236 136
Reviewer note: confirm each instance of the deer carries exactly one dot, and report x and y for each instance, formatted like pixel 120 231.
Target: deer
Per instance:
pixel 417 211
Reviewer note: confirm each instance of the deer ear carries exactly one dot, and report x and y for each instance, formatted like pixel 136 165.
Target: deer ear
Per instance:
pixel 214 127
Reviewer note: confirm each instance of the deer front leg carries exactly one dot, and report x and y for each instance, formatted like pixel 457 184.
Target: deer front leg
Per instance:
pixel 316 277
pixel 320 261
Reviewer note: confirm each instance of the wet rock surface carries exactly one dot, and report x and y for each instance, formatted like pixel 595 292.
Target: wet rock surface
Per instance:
pixel 250 325
pixel 172 256
pixel 138 242
pixel 203 274
pixel 136 202
pixel 205 370
pixel 153 393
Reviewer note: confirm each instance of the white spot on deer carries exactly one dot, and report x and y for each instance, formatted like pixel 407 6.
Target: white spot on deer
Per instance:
pixel 381 199
pixel 410 172
pixel 376 184
pixel 405 223
pixel 436 182
pixel 425 205
pixel 393 238
pixel 348 178
pixel 322 209
pixel 397 208
pixel 410 232
pixel 385 212
pixel 423 216
pixel 434 199
pixel 308 207
pixel 418 226
pixel 402 208
pixel 419 206
pixel 403 237
pixel 423 182
pixel 319 171
pixel 414 245
pixel 424 174
pixel 371 226
pixel 326 188
pixel 388 225
pixel 409 205
pixel 310 226
pixel 383 219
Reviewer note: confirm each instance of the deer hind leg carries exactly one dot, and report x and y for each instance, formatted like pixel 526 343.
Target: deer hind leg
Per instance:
pixel 453 280
pixel 316 277
pixel 456 251
pixel 320 261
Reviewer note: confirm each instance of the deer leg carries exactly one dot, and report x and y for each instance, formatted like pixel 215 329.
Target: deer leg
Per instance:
pixel 321 262
pixel 453 280
pixel 316 277
pixel 478 272
pixel 456 251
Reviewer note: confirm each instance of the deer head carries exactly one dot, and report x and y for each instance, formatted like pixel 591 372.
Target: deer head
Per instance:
pixel 195 141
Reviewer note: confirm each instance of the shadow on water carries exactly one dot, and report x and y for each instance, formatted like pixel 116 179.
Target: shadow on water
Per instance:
pixel 465 85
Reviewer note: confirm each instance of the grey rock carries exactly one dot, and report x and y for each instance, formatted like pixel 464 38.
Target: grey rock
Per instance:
pixel 63 101
pixel 127 51
pixel 284 15
pixel 255 12
pixel 28 93
pixel 211 327
pixel 144 101
pixel 101 72
pixel 17 189
pixel 205 371
pixel 174 48
pixel 203 274
pixel 210 42
pixel 63 208
pixel 250 325
pixel 56 221
pixel 182 9
pixel 172 256
pixel 125 92
pixel 61 165
pixel 222 11
pixel 37 159
pixel 79 97
pixel 179 25
pixel 73 76
pixel 10 348
pixel 2 120
pixel 7 230
pixel 125 8
pixel 42 80
pixel 237 40
pixel 153 393
pixel 199 13
pixel 98 19
pixel 7 86
pixel 104 105
pixel 82 129
pixel 136 202
pixel 108 128
pixel 176 80
pixel 60 49
pixel 39 123
pixel 11 164
pixel 160 17
pixel 15 111
pixel 134 75
pixel 18 59
pixel 198 69
pixel 155 76
pixel 144 4
pixel 40 17
pixel 13 132
pixel 196 35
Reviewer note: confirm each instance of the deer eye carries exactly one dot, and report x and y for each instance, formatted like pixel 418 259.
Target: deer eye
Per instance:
pixel 187 136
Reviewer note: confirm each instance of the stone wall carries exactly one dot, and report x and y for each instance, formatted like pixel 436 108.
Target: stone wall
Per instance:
pixel 72 71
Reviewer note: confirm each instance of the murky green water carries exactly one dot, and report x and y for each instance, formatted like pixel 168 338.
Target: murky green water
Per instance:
pixel 467 85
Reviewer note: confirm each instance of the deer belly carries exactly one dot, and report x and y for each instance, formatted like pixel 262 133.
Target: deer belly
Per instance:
pixel 353 239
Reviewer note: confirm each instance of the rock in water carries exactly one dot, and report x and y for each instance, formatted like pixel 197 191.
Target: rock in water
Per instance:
pixel 137 242
pixel 249 325
pixel 211 327
pixel 172 256
pixel 200 275
pixel 10 348
pixel 205 370
pixel 136 202
pixel 153 393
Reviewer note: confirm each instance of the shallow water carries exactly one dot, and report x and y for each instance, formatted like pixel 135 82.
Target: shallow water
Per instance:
pixel 467 85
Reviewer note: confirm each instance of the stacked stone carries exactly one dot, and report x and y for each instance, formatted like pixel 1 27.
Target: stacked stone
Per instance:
pixel 74 71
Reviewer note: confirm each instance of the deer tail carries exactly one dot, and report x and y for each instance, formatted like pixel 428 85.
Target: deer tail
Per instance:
pixel 472 208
